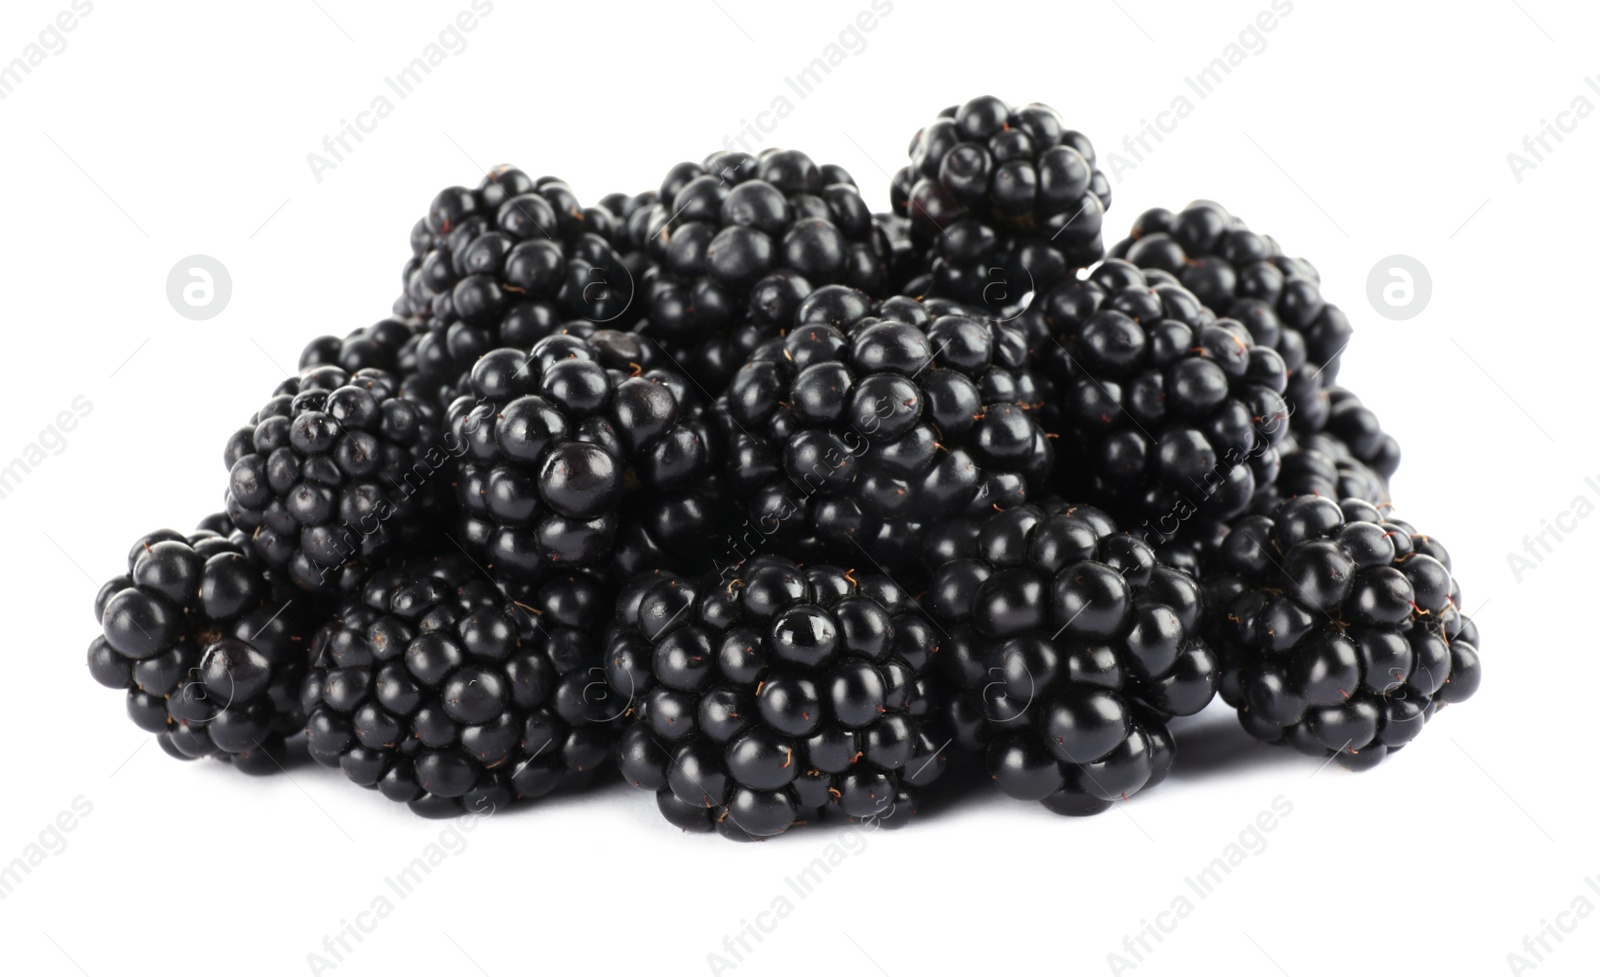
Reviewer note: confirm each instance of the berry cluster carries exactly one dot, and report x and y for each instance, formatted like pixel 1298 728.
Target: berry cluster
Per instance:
pixel 507 264
pixel 333 474
pixel 209 644
pixel 867 423
pixel 737 241
pixel 789 512
pixel 776 697
pixel 437 689
pixel 1164 407
pixel 572 455
pixel 1003 200
pixel 1073 647
pixel 1341 628
pixel 1246 276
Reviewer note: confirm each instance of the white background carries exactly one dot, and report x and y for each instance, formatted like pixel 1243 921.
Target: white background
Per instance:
pixel 1362 129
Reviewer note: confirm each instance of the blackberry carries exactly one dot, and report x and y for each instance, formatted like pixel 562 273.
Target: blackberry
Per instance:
pixel 1322 464
pixel 904 262
pixel 1358 429
pixel 1073 645
pixel 387 345
pixel 506 264
pixel 209 645
pixel 1193 549
pixel 621 206
pixel 867 423
pixel 1004 200
pixel 1244 275
pixel 1311 464
pixel 632 213
pixel 626 231
pixel 574 455
pixel 1339 629
pixel 336 471
pixel 438 689
pixel 765 702
pixel 1166 412
pixel 737 241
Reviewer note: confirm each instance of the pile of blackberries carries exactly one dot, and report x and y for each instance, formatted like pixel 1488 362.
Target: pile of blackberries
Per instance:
pixel 781 509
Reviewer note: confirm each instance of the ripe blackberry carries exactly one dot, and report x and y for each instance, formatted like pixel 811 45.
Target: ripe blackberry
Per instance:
pixel 209 645
pixel 738 241
pixel 1244 275
pixel 574 455
pixel 632 213
pixel 1339 629
pixel 1193 549
pixel 866 424
pixel 1315 464
pixel 436 688
pixel 904 260
pixel 1322 464
pixel 626 232
pixel 1357 428
pixel 1165 411
pixel 1073 647
pixel 785 694
pixel 1004 200
pixel 507 264
pixel 387 345
pixel 333 473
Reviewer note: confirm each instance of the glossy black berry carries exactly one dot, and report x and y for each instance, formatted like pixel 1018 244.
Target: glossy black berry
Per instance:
pixel 1244 275
pixel 1339 628
pixel 337 471
pixel 1165 412
pixel 509 262
pixel 777 697
pixel 572 455
pixel 736 242
pixel 1322 464
pixel 1002 200
pixel 442 688
pixel 209 644
pixel 388 345
pixel 1073 646
pixel 868 423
